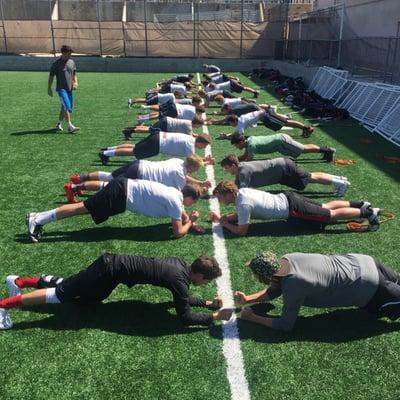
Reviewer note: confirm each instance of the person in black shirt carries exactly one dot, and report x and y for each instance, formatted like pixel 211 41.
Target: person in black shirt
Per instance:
pixel 96 282
pixel 64 70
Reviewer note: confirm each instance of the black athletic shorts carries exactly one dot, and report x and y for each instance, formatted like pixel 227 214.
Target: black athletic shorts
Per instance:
pixel 294 176
pixel 168 109
pixel 272 123
pixel 161 124
pixel 92 284
pixel 306 212
pixel 236 87
pixel 110 200
pixel 149 146
pixel 152 99
pixel 130 170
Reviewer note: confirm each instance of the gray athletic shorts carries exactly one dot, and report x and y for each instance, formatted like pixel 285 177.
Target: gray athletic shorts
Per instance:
pixel 290 147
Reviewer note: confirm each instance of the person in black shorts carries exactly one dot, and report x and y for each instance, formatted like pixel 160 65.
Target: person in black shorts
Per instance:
pixel 95 283
pixel 280 170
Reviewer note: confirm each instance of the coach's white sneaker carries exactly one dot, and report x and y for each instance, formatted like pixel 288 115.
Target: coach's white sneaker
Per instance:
pixel 5 320
pixel 13 289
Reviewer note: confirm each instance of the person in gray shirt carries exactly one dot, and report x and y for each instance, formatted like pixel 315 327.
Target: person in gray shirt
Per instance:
pixel 280 170
pixel 64 70
pixel 317 280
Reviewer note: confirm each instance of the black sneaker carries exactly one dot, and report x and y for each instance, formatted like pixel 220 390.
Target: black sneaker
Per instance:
pixel 256 94
pixel 329 154
pixel 49 281
pixel 391 310
pixel 374 220
pixel 128 133
pixel 103 158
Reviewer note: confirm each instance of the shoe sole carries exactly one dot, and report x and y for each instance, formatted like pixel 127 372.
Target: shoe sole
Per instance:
pixel 13 289
pixel 31 237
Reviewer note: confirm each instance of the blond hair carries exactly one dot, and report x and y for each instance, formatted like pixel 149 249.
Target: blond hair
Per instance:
pixel 194 162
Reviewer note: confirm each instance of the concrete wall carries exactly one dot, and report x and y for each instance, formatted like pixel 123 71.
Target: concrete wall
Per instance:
pixel 172 65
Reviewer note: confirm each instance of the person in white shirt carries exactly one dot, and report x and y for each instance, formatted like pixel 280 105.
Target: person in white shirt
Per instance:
pixel 152 199
pixel 291 206
pixel 174 172
pixel 169 143
pixel 153 99
pixel 232 85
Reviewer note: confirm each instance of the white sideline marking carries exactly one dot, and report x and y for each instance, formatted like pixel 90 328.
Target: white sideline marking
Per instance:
pixel 230 331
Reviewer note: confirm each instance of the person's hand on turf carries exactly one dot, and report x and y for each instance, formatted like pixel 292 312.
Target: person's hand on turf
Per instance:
pixel 240 298
pixel 194 215
pixel 206 184
pixel 224 314
pixel 216 303
pixel 214 217
pixel 209 160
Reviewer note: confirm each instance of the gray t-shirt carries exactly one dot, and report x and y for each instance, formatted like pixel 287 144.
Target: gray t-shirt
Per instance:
pixel 179 125
pixel 64 72
pixel 252 203
pixel 317 280
pixel 260 173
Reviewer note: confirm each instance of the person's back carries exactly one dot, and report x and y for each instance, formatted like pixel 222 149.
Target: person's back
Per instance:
pixel 241 109
pixel 260 173
pixel 264 144
pixel 64 71
pixel 177 144
pixel 179 125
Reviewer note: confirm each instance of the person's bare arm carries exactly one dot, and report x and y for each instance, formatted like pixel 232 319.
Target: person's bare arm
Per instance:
pixel 195 181
pixel 242 299
pixel 49 83
pixel 248 315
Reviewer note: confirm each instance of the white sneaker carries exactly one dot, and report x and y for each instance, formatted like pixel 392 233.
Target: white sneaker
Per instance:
pixel 34 230
pixel 5 320
pixel 13 289
pixel 73 129
pixel 59 128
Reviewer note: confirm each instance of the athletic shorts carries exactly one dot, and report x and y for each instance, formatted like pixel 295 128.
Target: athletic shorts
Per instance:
pixel 306 212
pixel 236 87
pixel 92 284
pixel 165 88
pixel 152 99
pixel 110 200
pixel 294 176
pixel 149 146
pixel 130 170
pixel 290 147
pixel 161 124
pixel 66 100
pixel 168 109
pixel 272 122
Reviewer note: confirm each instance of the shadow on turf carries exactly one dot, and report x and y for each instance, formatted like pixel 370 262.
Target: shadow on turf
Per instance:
pixel 36 132
pixel 149 233
pixel 125 317
pixel 336 326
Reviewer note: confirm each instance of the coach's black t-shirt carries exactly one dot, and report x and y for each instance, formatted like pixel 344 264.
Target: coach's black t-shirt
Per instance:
pixel 64 70
pixel 169 273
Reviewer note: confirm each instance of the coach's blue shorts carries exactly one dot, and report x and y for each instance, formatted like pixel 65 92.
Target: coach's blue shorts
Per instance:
pixel 66 99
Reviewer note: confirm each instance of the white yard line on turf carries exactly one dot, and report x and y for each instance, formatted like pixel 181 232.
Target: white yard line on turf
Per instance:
pixel 230 331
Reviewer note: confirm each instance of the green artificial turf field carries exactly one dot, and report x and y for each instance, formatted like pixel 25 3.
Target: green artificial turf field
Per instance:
pixel 132 346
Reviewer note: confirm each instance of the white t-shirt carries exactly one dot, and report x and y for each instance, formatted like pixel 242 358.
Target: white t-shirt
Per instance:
pixel 247 120
pixel 170 172
pixel 165 97
pixel 217 78
pixel 179 125
pixel 232 102
pixel 186 111
pixel 153 199
pixel 257 204
pixel 177 144
pixel 176 88
pixel 224 86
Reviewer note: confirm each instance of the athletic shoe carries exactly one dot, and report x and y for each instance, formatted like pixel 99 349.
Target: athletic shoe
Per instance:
pixel 391 310
pixel 329 154
pixel 59 128
pixel 340 187
pixel 130 103
pixel 374 220
pixel 69 192
pixel 127 133
pixel 103 158
pixel 13 289
pixel 5 320
pixel 34 230
pixel 76 178
pixel 256 94
pixel 49 281
pixel 307 131
pixel 74 129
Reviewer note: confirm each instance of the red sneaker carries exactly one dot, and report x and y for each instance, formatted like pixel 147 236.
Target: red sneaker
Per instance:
pixel 69 192
pixel 75 178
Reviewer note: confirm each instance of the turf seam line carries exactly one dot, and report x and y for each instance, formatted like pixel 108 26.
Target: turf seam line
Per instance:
pixel 230 331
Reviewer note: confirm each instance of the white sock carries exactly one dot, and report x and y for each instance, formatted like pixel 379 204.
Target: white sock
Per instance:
pixel 46 217
pixel 51 297
pixel 105 176
pixel 103 185
pixel 109 153
pixel 144 117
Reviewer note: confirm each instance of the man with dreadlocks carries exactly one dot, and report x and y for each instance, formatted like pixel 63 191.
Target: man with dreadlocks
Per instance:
pixel 317 280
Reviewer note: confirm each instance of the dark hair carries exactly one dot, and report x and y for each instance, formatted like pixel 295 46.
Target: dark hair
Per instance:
pixel 191 190
pixel 196 99
pixel 226 107
pixel 197 120
pixel 237 138
pixel 203 138
pixel 66 49
pixel 225 187
pixel 232 118
pixel 207 266
pixel 191 76
pixel 230 160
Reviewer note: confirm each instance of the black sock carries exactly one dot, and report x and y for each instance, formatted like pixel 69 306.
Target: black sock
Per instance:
pixel 83 178
pixel 323 149
pixel 356 204
pixel 366 212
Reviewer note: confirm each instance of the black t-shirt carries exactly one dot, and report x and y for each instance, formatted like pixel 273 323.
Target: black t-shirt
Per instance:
pixel 244 109
pixel 64 70
pixel 169 273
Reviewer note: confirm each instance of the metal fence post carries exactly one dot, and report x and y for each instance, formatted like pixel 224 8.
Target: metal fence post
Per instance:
pixel 299 41
pixel 241 28
pixel 194 28
pixel 339 56
pixel 51 26
pixel 4 29
pixel 145 28
pixel 99 26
